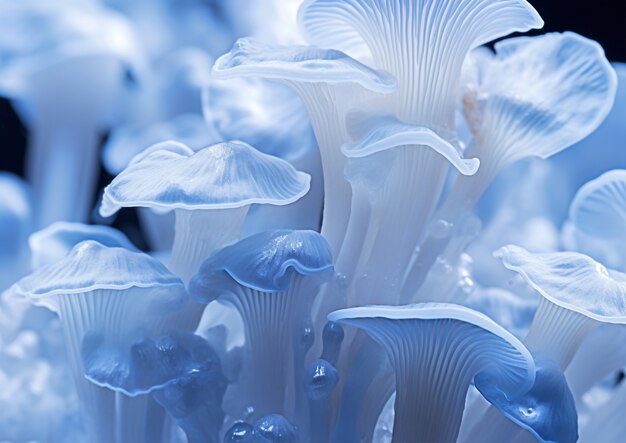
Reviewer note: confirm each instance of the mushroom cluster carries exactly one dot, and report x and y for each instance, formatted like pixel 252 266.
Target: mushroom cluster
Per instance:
pixel 317 221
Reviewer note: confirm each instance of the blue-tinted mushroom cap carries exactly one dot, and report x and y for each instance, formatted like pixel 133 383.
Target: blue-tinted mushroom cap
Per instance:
pixel 90 267
pixel 599 207
pixel 572 281
pixel 374 133
pixel 149 364
pixel 274 428
pixel 548 410
pixel 264 261
pixel 57 240
pixel 127 141
pixel 511 372
pixel 226 175
pixel 299 64
pixel 539 95
pixel 320 378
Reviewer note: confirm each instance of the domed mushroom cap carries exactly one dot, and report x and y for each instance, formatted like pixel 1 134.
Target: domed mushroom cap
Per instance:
pixel 548 410
pixel 264 261
pixel 300 64
pixel 91 266
pixel 572 281
pixel 225 175
pixel 599 207
pixel 57 240
pixel 505 361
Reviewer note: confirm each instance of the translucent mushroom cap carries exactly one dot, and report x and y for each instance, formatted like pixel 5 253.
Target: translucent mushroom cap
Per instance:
pixel 572 281
pixel 541 94
pixel 222 176
pixel 599 207
pixel 506 362
pixel 548 410
pixel 57 240
pixel 264 261
pixel 300 64
pixel 90 267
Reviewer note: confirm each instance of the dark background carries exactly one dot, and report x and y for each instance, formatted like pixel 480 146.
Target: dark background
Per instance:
pixel 600 20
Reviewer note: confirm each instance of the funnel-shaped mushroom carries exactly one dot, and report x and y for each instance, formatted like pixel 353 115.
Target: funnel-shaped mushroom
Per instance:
pixel 535 97
pixel 116 293
pixel 54 242
pixel 329 84
pixel 64 79
pixel 210 190
pixel 272 279
pixel 577 295
pixel 436 351
pixel 598 219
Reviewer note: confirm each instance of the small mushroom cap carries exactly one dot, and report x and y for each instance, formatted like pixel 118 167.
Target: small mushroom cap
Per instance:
pixel 57 240
pixel 91 266
pixel 274 428
pixel 572 281
pixel 599 207
pixel 222 176
pixel 149 364
pixel 513 373
pixel 265 261
pixel 548 410
pixel 305 64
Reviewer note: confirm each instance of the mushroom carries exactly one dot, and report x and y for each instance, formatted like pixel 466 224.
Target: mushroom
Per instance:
pixel 272 279
pixel 436 351
pixel 113 293
pixel 577 295
pixel 329 84
pixel 210 190
pixel 79 53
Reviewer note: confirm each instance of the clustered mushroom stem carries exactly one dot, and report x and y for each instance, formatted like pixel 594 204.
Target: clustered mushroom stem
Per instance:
pixel 557 332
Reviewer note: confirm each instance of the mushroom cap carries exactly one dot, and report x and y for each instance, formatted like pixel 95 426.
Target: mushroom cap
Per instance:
pixel 572 281
pixel 541 94
pixel 57 240
pixel 305 64
pixel 149 364
pixel 513 373
pixel 91 266
pixel 264 262
pixel 548 410
pixel 222 176
pixel 599 207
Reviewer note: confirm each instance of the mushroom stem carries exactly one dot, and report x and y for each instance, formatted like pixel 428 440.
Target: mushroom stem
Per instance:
pixel 557 333
pixel 199 233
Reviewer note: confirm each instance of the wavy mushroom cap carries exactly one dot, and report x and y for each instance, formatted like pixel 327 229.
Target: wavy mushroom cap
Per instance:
pixel 572 281
pixel 264 261
pixel 225 175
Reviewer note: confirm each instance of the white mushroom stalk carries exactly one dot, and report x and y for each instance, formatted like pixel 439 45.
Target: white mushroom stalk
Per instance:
pixel 79 53
pixel 329 83
pixel 113 293
pixel 210 190
pixel 436 351
pixel 271 278
pixel 535 97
